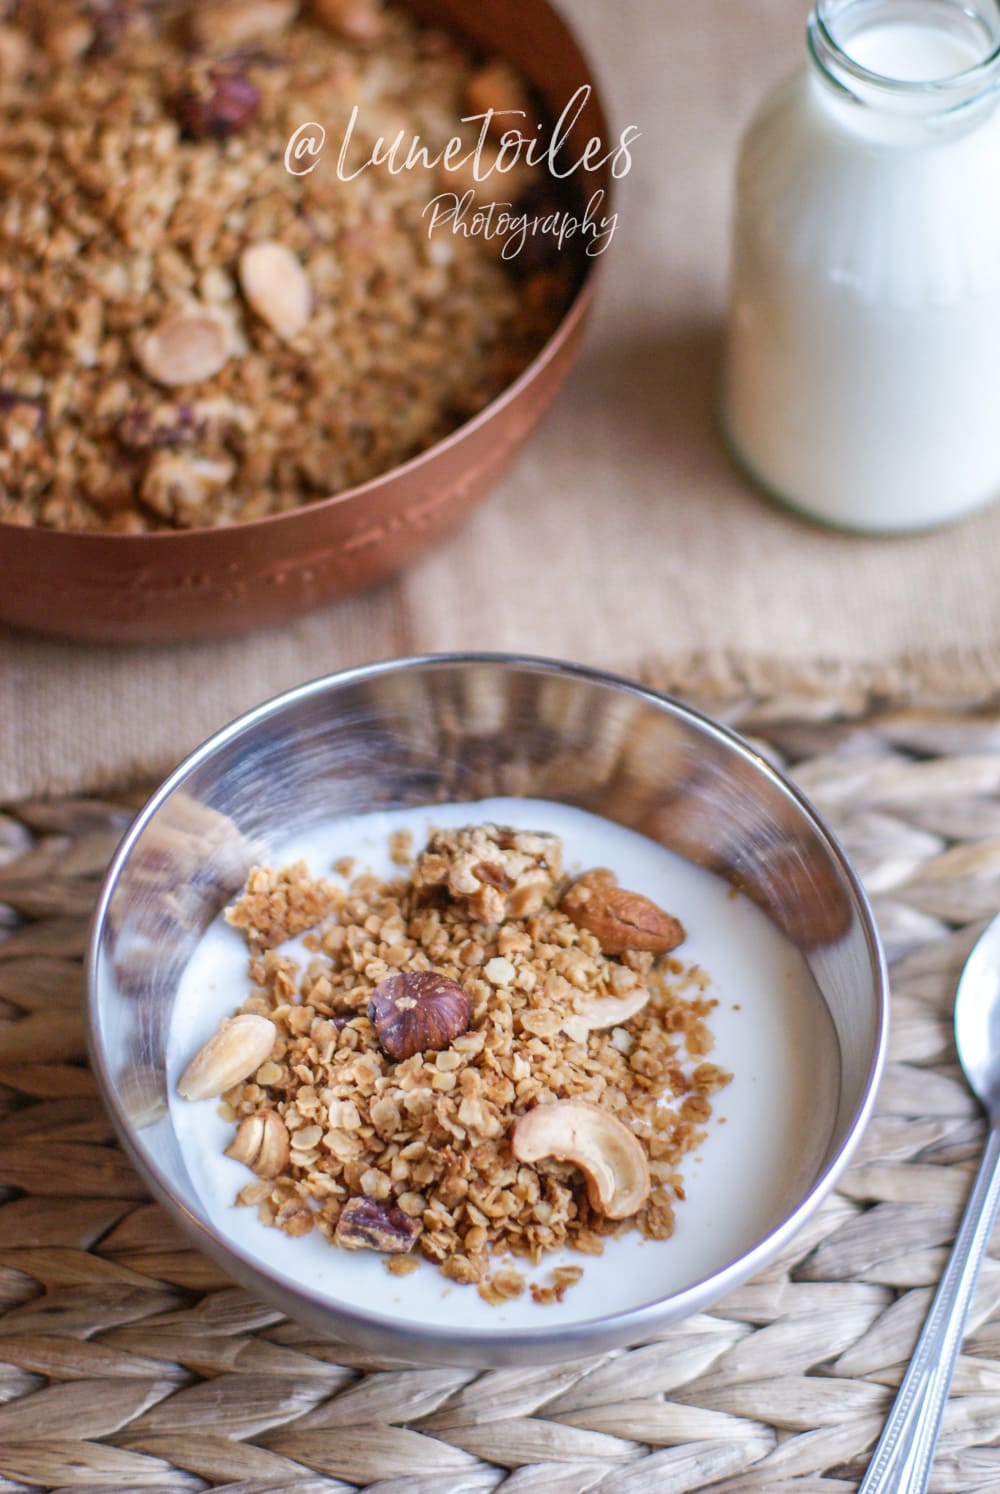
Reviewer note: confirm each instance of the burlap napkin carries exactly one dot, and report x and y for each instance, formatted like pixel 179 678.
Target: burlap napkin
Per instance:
pixel 623 538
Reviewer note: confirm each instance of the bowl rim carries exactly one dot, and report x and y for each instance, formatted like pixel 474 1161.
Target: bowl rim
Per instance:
pixel 577 307
pixel 474 1345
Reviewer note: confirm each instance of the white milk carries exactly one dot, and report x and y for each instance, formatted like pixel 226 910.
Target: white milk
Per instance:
pixel 765 1142
pixel 863 357
pixel 911 52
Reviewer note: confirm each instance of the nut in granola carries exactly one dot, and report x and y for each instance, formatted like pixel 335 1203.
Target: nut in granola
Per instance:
pixel 261 1143
pixel 606 1152
pixel 418 1011
pixel 237 1048
pixel 498 872
pixel 276 287
pixel 178 486
pixel 597 1012
pixel 368 1224
pixel 185 348
pixel 217 106
pixel 620 920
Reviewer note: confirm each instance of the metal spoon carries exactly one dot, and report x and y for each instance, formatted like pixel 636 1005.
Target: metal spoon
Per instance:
pixel 902 1460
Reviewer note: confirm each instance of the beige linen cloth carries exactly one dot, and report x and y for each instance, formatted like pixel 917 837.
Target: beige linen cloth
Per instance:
pixel 623 537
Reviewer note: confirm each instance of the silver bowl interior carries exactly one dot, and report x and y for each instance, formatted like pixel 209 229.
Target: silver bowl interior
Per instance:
pixel 424 731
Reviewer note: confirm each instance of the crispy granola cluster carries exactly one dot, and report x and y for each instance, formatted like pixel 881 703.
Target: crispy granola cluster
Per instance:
pixel 392 1153
pixel 191 334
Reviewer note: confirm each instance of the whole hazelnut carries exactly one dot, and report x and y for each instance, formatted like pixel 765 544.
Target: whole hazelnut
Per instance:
pixel 417 1011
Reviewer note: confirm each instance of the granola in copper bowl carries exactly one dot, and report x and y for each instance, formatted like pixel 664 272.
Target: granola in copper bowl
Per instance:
pixel 191 333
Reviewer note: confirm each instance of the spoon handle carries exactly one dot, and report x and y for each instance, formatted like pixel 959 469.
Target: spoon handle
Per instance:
pixel 902 1460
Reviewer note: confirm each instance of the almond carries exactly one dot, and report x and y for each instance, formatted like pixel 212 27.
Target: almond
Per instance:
pixel 598 1012
pixel 235 1050
pixel 185 348
pixel 276 287
pixel 618 919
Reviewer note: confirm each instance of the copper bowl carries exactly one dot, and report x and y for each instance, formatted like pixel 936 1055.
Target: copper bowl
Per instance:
pixel 170 586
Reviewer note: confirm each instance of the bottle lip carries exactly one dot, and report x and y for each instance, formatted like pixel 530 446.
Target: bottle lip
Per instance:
pixel 935 95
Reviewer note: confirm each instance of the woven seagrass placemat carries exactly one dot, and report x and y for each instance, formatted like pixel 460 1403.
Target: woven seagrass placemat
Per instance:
pixel 128 1362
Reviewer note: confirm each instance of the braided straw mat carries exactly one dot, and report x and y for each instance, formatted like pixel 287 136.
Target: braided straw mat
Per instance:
pixel 129 1363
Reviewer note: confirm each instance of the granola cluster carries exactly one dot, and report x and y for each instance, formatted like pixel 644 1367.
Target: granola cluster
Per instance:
pixel 190 333
pixel 429 1027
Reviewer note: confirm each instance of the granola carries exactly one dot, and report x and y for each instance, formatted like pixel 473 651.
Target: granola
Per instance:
pixel 191 334
pixel 413 1146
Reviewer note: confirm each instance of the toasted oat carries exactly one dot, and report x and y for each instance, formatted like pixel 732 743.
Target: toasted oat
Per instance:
pixel 401 1265
pixel 502 1286
pixel 277 905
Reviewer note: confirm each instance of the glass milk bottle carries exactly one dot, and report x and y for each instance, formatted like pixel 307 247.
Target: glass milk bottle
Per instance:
pixel 862 380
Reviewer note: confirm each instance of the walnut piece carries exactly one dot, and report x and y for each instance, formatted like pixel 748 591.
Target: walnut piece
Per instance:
pixel 496 871
pixel 367 1224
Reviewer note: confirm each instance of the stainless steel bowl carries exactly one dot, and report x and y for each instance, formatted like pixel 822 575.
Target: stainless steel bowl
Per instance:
pixel 425 730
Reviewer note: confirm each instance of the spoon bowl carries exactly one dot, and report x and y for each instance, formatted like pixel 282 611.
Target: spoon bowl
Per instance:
pixel 977 1018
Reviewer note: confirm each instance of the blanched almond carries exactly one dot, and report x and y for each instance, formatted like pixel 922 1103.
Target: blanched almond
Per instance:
pixel 185 348
pixel 233 1052
pixel 276 287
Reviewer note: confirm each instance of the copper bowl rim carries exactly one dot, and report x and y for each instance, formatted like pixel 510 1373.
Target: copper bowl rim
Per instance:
pixel 576 309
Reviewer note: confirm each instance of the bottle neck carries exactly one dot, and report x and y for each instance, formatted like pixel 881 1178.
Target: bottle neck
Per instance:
pixel 921 60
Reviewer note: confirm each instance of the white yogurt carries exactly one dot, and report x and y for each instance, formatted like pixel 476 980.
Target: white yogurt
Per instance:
pixel 766 1139
pixel 864 337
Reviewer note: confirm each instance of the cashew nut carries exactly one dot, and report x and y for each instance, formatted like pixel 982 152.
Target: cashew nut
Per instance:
pixel 237 1047
pixel 606 1152
pixel 611 1011
pixel 261 1143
